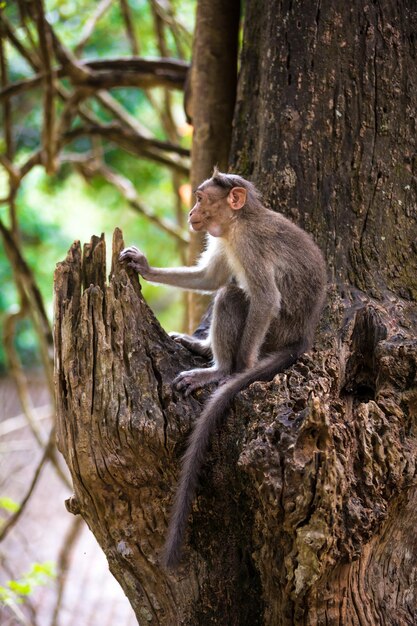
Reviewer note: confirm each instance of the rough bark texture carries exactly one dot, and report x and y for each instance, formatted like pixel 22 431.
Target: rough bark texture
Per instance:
pixel 326 125
pixel 122 428
pixel 305 513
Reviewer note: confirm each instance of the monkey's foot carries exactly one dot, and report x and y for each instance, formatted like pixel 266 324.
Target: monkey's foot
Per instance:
pixel 194 379
pixel 198 346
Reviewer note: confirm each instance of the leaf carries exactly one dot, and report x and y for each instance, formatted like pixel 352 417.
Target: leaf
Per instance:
pixel 21 587
pixel 39 574
pixel 41 570
pixel 5 596
pixel 9 505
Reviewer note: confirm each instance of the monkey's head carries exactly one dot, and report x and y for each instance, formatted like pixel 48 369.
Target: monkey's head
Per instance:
pixel 219 201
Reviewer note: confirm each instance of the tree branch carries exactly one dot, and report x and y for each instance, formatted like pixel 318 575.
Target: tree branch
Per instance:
pixel 48 131
pixel 17 422
pixel 130 30
pixel 77 72
pixel 31 290
pixel 13 171
pixel 9 32
pixel 126 188
pixel 16 371
pixel 91 24
pixel 121 114
pixel 14 518
pixel 130 72
pixel 166 111
pixel 24 15
pixel 7 113
pixel 134 144
pixel 131 140
pixel 180 34
pixel 64 562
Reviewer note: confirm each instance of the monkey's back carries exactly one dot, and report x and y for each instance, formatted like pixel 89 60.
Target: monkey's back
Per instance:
pixel 300 275
pixel 303 281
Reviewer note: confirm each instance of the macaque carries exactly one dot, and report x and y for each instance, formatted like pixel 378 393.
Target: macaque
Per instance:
pixel 270 282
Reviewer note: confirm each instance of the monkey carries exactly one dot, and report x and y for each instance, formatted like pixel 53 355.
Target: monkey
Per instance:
pixel 270 282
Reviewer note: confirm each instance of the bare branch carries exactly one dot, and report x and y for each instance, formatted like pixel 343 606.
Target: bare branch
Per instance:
pixel 119 111
pixel 170 127
pixel 31 290
pixel 11 169
pixel 16 371
pixel 162 66
pixel 7 113
pixel 135 144
pixel 159 29
pixel 33 160
pixel 90 25
pixel 9 32
pixel 126 188
pixel 69 62
pixel 14 518
pixel 64 562
pixel 70 111
pixel 130 30
pixel 165 113
pixel 11 424
pixel 20 86
pixel 130 139
pixel 48 131
pixel 134 73
pixel 180 34
pixel 24 15
pixel 130 72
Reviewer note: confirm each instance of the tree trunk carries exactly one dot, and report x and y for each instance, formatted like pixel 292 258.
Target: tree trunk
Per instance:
pixel 212 97
pixel 122 429
pixel 305 512
pixel 326 125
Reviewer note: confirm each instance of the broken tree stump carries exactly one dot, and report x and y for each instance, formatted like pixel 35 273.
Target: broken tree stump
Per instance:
pixel 306 509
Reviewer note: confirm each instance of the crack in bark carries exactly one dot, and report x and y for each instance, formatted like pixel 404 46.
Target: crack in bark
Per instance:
pixel 159 388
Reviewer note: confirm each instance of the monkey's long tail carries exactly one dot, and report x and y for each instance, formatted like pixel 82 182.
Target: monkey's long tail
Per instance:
pixel 206 424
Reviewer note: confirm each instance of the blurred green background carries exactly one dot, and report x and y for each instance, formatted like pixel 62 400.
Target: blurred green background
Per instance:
pixel 52 211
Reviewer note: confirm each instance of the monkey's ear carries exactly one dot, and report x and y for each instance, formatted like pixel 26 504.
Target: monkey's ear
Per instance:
pixel 237 198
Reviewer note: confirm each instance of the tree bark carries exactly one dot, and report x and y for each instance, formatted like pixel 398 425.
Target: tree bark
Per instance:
pixel 326 126
pixel 305 512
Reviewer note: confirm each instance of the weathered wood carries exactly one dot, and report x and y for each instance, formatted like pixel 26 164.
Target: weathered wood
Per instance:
pixel 121 428
pixel 305 507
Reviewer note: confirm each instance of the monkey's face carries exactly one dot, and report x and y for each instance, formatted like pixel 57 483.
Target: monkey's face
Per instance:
pixel 215 211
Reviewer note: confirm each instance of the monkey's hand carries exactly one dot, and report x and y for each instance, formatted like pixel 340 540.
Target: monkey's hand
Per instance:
pixel 136 260
pixel 198 346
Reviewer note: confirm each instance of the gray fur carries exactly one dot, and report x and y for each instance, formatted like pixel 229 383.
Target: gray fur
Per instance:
pixel 270 280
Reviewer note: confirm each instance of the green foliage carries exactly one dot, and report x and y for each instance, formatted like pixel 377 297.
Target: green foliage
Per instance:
pixel 15 591
pixel 52 211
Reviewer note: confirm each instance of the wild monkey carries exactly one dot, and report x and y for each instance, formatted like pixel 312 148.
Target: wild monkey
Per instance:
pixel 270 280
